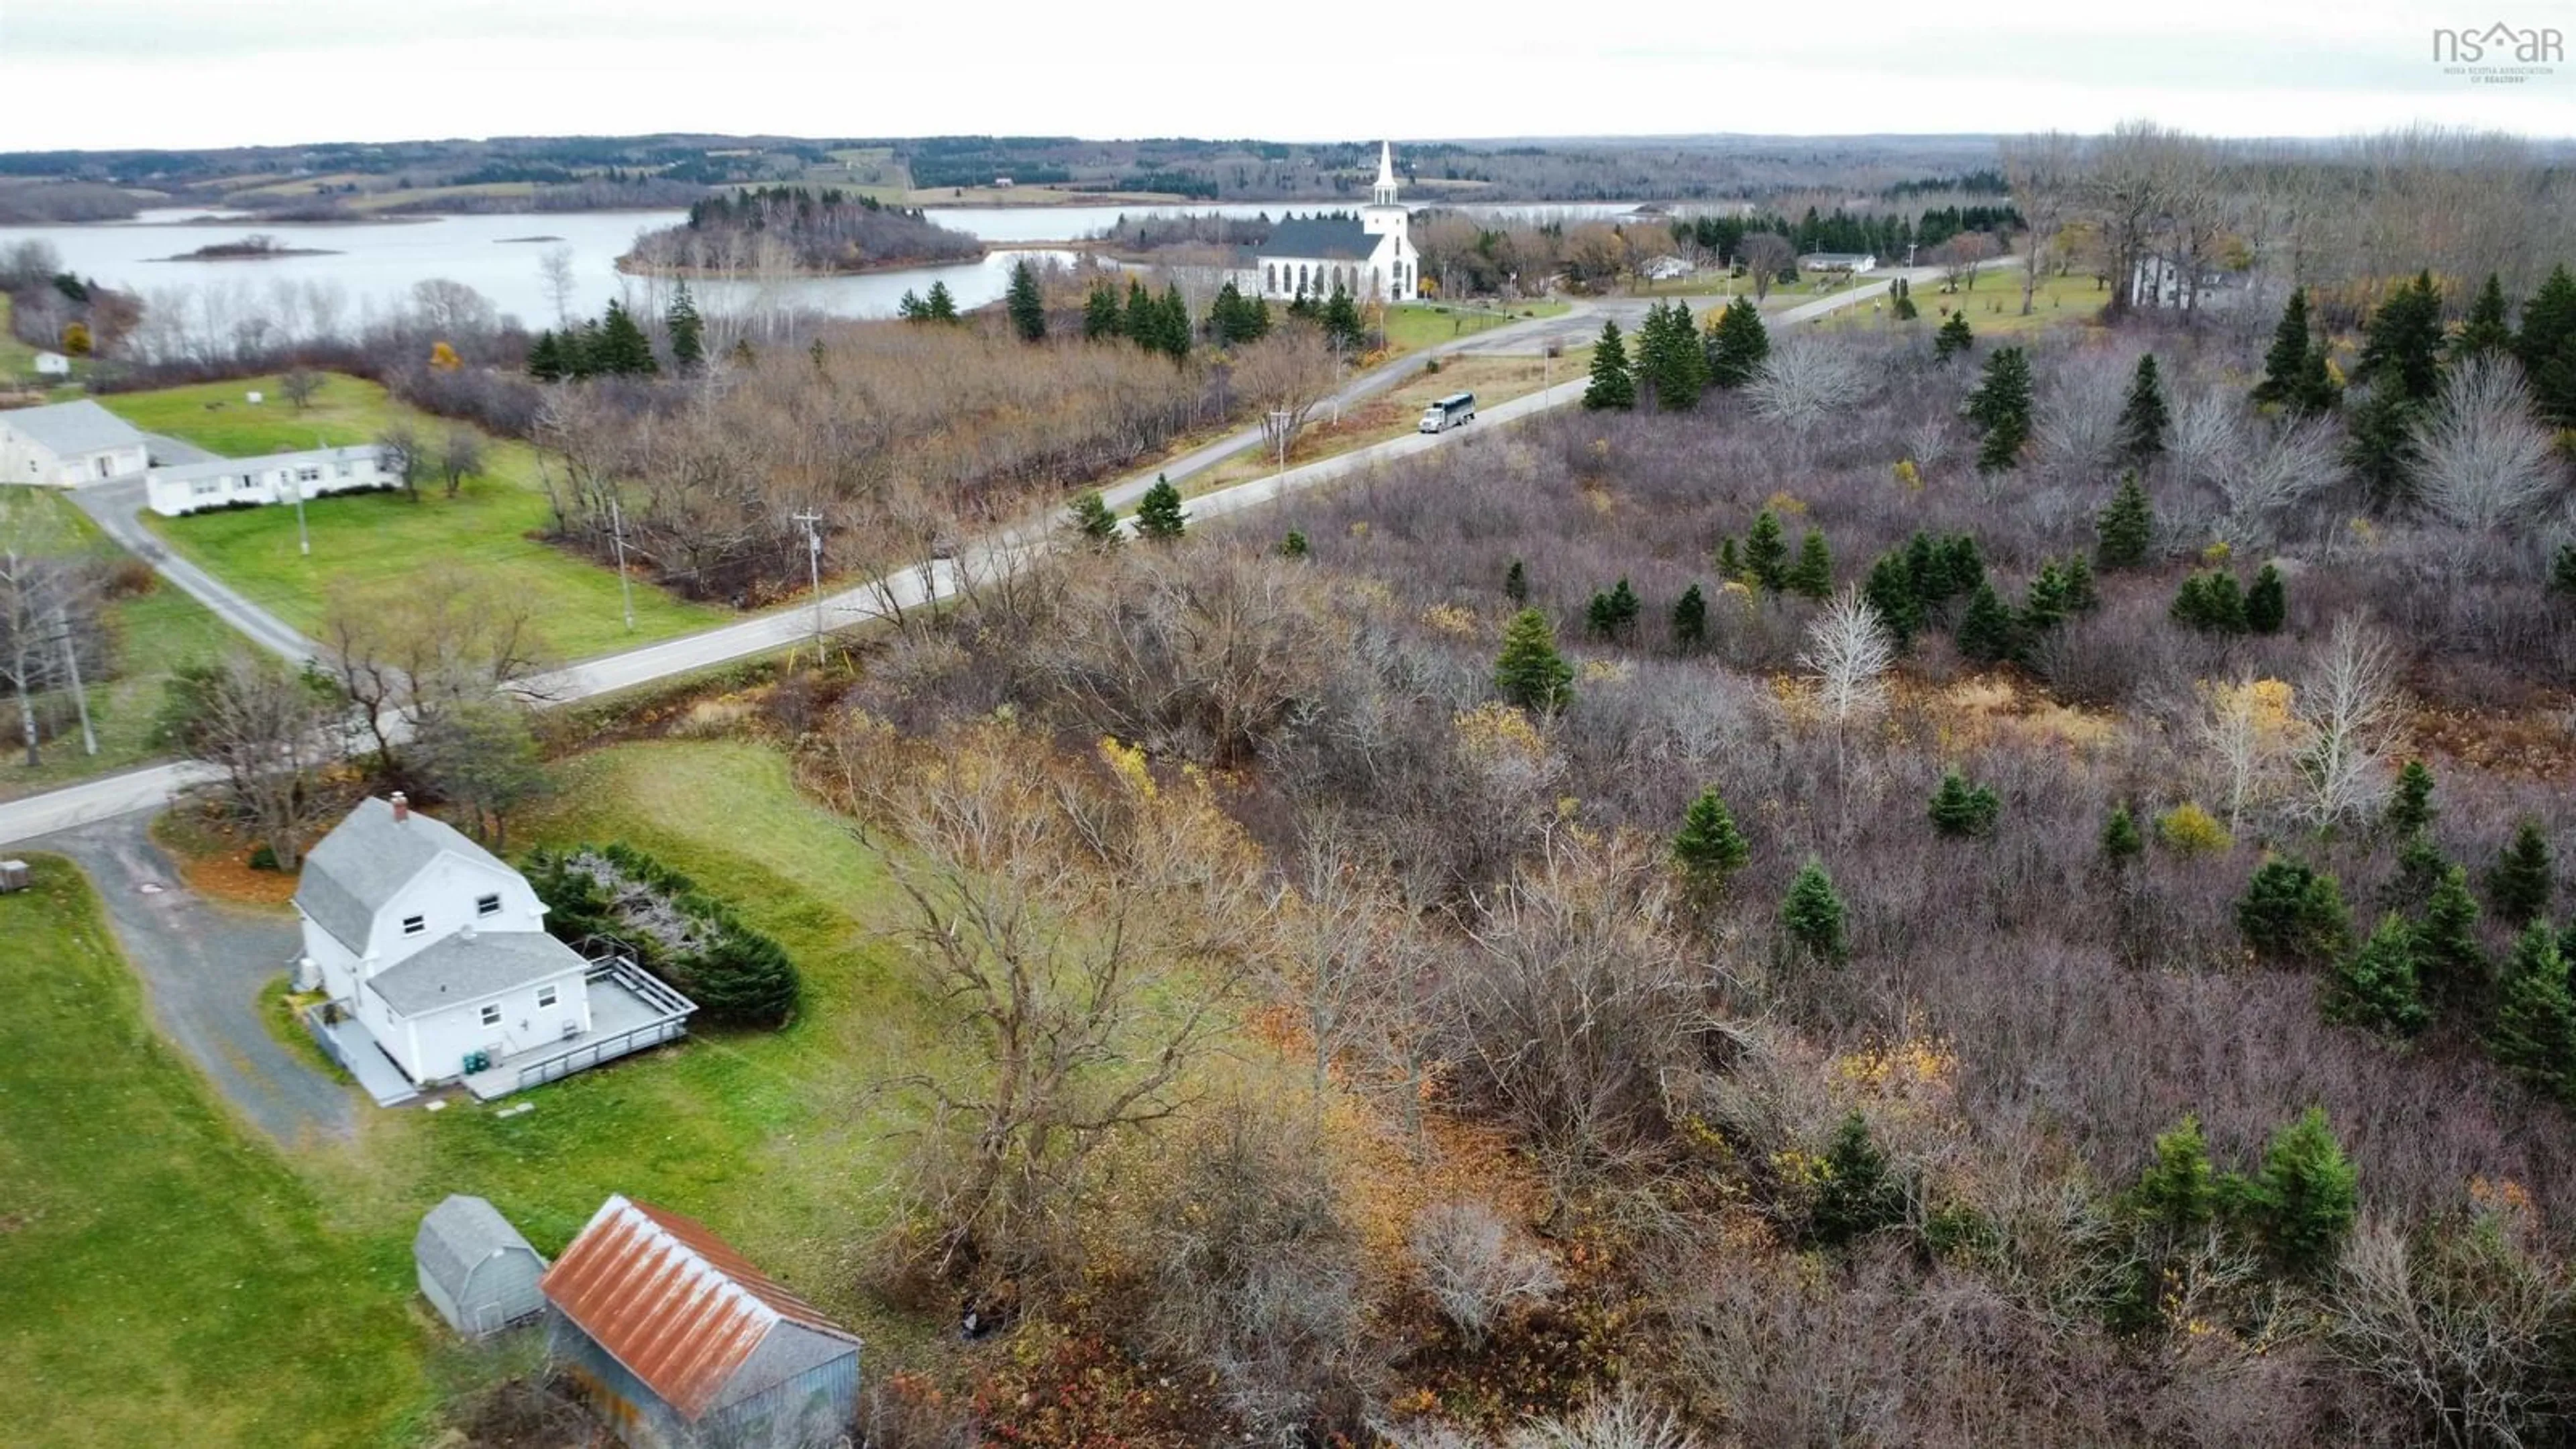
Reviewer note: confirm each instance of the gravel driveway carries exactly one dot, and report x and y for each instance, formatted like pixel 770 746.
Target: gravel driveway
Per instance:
pixel 203 965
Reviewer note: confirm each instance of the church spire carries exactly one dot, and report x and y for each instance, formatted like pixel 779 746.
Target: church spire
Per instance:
pixel 1383 193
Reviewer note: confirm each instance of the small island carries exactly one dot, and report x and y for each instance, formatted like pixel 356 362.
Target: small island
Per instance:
pixel 503 241
pixel 257 247
pixel 791 228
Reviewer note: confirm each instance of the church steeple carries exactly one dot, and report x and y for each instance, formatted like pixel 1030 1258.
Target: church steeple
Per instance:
pixel 1383 193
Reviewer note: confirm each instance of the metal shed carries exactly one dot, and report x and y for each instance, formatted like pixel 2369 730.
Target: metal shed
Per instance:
pixel 475 1268
pixel 680 1343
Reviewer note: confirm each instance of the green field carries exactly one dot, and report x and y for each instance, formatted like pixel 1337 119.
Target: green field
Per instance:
pixel 166 1279
pixel 152 635
pixel 1415 325
pixel 1993 306
pixel 372 539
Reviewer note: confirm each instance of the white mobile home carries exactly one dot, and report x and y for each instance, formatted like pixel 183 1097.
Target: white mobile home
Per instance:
pixel 64 445
pixel 277 478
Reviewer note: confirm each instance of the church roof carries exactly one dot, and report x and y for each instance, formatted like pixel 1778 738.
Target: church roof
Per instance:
pixel 1338 238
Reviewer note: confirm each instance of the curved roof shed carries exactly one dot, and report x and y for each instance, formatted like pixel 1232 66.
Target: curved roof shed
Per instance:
pixel 475 1268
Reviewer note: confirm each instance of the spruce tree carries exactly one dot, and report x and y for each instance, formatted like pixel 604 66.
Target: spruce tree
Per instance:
pixel 1172 323
pixel 1612 614
pixel 1737 346
pixel 1529 672
pixel 1766 552
pixel 2448 959
pixel 1294 545
pixel 1101 318
pixel 940 306
pixel 2484 332
pixel 1890 590
pixel 1856 1193
pixel 2211 602
pixel 1690 621
pixel 2285 366
pixel 1708 848
pixel 2179 1193
pixel 911 308
pixel 2125 530
pixel 2562 571
pixel 2267 604
pixel 2410 810
pixel 623 349
pixel 2143 419
pixel 1342 322
pixel 2082 595
pixel 1812 576
pixel 1730 567
pixel 2420 868
pixel 2121 840
pixel 2000 406
pixel 1811 916
pixel 687 331
pixel 1094 522
pixel 2374 988
pixel 1516 583
pixel 2292 914
pixel 2306 1197
pixel 2534 1035
pixel 1985 632
pixel 1026 304
pixel 1952 336
pixel 2380 446
pixel 1961 810
pixel 2520 886
pixel 2546 347
pixel 1962 568
pixel 2401 345
pixel 1611 385
pixel 1140 321
pixel 545 359
pixel 1903 309
pixel 1158 512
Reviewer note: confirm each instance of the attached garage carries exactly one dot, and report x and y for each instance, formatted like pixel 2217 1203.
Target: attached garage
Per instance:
pixel 65 445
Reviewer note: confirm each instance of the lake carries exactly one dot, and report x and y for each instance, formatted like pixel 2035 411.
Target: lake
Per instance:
pixel 374 264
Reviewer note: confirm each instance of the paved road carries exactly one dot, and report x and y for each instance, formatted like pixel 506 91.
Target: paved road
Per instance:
pixel 114 506
pixel 202 966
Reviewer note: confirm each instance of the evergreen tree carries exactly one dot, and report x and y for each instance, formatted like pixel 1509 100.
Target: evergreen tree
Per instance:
pixel 1101 318
pixel 1026 304
pixel 2420 868
pixel 940 306
pixel 1812 916
pixel 2285 367
pixel 1094 522
pixel 2179 1194
pixel 2000 406
pixel 2121 841
pixel 1960 810
pixel 2082 596
pixel 742 351
pixel 2409 812
pixel 1903 308
pixel 1225 315
pixel 2211 602
pixel 1612 614
pixel 1529 672
pixel 1516 583
pixel 1952 336
pixel 1294 545
pixel 2534 1036
pixel 1172 324
pixel 688 332
pixel 1985 631
pixel 1342 322
pixel 2125 530
pixel 2562 570
pixel 2401 345
pixel 1962 569
pixel 2267 604
pixel 2546 347
pixel 1890 590
pixel 1140 322
pixel 2519 888
pixel 2303 1202
pixel 1766 552
pixel 1671 362
pixel 2374 988
pixel 545 359
pixel 2047 602
pixel 2448 959
pixel 1737 346
pixel 1611 386
pixel 1730 567
pixel 1158 512
pixel 2292 914
pixel 1252 319
pixel 623 349
pixel 2143 419
pixel 1856 1193
pixel 2484 332
pixel 1813 575
pixel 1690 621
pixel 1709 848
pixel 911 308
pixel 2379 445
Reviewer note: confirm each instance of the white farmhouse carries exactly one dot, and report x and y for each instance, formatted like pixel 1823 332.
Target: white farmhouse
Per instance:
pixel 64 445
pixel 1370 257
pixel 229 482
pixel 434 955
pixel 53 364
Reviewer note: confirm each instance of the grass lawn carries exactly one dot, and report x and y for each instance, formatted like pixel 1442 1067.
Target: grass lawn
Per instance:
pixel 1993 306
pixel 153 635
pixel 375 538
pixel 1417 325
pixel 17 359
pixel 164 1278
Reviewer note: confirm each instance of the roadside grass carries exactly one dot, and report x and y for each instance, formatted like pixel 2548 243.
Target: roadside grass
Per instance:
pixel 1415 325
pixel 372 539
pixel 1993 306
pixel 1395 412
pixel 164 1277
pixel 151 636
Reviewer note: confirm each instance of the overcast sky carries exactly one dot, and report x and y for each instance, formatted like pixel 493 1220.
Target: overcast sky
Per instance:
pixel 114 73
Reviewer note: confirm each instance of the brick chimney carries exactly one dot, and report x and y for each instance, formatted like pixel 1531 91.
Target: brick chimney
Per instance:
pixel 402 806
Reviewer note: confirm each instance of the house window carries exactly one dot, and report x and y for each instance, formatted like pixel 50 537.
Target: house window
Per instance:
pixel 414 925
pixel 308 475
pixel 205 487
pixel 491 1013
pixel 487 905
pixel 546 996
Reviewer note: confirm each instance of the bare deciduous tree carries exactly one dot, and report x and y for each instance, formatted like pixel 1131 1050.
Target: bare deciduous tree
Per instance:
pixel 2482 461
pixel 43 593
pixel 1472 1268
pixel 1848 655
pixel 299 384
pixel 406 653
pixel 1806 381
pixel 1285 375
pixel 1765 255
pixel 554 274
pixel 270 734
pixel 2462 1330
pixel 460 456
pixel 2350 705
pixel 2044 172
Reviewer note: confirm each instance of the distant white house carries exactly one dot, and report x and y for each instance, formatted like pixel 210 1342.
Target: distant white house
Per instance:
pixel 1667 268
pixel 1371 257
pixel 53 364
pixel 64 445
pixel 433 954
pixel 228 482
pixel 1838 262
pixel 2156 281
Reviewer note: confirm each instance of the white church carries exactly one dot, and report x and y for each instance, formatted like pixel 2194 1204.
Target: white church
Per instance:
pixel 1371 258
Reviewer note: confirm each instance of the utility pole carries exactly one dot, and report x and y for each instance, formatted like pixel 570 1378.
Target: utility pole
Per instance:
pixel 617 533
pixel 71 666
pixel 814 571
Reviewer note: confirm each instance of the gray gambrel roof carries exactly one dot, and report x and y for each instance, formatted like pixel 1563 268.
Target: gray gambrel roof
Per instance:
pixel 470 966
pixel 1339 238
pixel 73 428
pixel 366 859
pixel 460 1233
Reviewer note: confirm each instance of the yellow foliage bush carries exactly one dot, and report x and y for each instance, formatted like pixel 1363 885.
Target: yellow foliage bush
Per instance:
pixel 2190 830
pixel 2217 553
pixel 1908 477
pixel 444 358
pixel 1786 504
pixel 1451 619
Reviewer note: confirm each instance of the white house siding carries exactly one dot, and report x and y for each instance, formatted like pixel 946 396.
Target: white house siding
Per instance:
pixel 24 460
pixel 431 1047
pixel 172 492
pixel 443 895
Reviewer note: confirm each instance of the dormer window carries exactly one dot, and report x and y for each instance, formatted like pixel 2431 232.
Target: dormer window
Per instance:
pixel 487 905
pixel 415 925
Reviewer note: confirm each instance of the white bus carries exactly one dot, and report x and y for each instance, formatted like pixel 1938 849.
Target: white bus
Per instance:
pixel 1456 410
